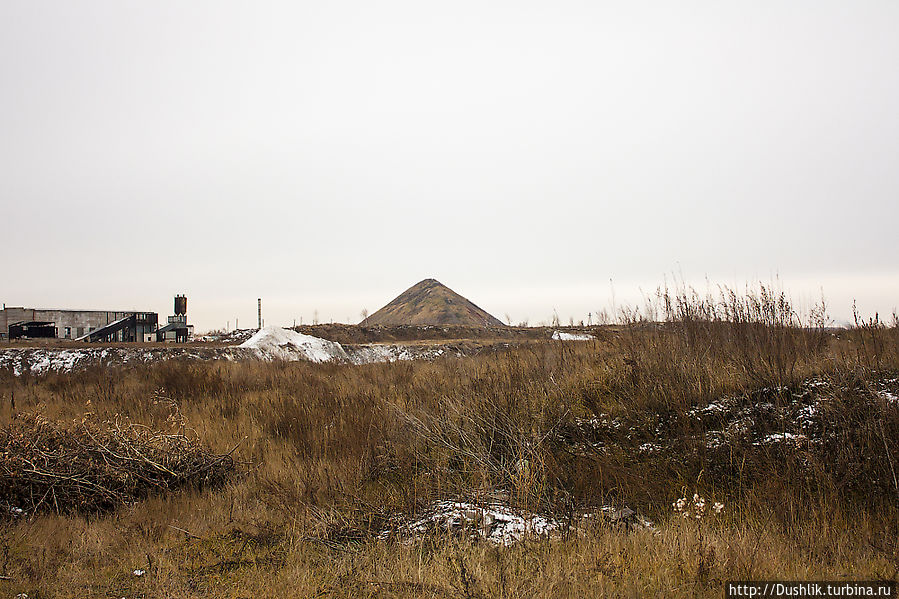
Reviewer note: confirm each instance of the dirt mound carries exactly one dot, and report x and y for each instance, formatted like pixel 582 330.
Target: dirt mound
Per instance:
pixel 430 302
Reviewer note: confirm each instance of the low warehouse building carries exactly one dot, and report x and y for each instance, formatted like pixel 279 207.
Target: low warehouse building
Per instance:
pixel 95 325
pixel 86 325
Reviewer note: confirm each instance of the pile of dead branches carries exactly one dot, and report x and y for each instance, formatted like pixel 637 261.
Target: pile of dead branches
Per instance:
pixel 89 466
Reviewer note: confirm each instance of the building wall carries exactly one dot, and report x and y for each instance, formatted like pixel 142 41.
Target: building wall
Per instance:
pixel 78 322
pixel 12 315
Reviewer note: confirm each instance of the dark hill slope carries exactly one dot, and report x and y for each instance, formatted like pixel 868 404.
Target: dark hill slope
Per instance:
pixel 430 303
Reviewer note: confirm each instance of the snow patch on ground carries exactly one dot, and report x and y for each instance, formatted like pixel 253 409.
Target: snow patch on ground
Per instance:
pixel 40 361
pixel 650 448
pixel 772 417
pixel 563 336
pixel 780 438
pixel 370 354
pixel 716 439
pixel 237 336
pixel 379 353
pixel 721 406
pixel 286 346
pixel 275 343
pixel 43 361
pixel 500 524
pixel 495 523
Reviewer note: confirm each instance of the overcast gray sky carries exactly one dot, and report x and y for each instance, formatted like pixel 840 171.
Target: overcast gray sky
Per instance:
pixel 327 155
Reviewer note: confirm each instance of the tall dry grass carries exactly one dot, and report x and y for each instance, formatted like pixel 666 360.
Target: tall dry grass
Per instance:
pixel 329 454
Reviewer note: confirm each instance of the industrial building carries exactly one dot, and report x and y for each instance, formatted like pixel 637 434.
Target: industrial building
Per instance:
pixel 177 329
pixel 94 325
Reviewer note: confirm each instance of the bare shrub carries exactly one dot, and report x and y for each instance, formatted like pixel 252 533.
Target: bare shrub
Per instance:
pixel 87 466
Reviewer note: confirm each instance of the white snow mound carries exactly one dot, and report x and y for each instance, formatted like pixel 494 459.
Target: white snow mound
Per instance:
pixel 275 343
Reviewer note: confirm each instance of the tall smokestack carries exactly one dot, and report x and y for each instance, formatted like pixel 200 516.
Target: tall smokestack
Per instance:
pixel 259 301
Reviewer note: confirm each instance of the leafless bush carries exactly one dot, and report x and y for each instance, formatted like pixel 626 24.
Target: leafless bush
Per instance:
pixel 87 466
pixel 487 448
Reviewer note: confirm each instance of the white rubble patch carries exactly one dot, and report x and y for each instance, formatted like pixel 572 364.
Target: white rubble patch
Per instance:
pixel 373 354
pixel 275 343
pixel 42 360
pixel 650 448
pixel 721 406
pixel 598 422
pixel 496 523
pixel 563 336
pixel 781 438
pixel 715 439
pixel 64 361
pixel 807 416
pixel 499 524
pixel 237 336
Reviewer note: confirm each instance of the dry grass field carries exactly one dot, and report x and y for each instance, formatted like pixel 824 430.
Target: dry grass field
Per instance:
pixel 792 426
